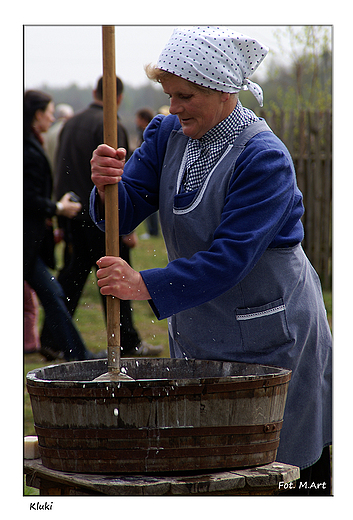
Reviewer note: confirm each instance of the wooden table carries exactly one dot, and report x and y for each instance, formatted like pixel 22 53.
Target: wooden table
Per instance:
pixel 263 480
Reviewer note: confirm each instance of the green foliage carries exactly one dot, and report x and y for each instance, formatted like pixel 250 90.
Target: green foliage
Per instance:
pixel 306 83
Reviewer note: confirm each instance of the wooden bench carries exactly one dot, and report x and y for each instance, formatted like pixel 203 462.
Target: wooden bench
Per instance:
pixel 270 479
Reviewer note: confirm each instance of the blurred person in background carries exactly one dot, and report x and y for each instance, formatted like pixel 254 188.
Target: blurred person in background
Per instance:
pixel 31 316
pixel 63 112
pixel 38 210
pixel 143 117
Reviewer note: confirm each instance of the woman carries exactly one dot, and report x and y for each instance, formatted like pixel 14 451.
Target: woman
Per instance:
pixel 38 210
pixel 238 285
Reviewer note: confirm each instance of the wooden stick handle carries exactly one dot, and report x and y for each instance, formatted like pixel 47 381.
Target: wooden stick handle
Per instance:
pixel 111 191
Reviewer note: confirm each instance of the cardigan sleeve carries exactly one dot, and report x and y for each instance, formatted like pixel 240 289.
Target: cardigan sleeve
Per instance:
pixel 262 199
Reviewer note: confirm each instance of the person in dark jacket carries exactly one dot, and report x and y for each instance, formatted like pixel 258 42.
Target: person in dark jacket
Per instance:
pixel 39 208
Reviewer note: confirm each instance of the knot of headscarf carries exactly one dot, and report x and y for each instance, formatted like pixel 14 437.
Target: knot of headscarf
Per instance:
pixel 214 57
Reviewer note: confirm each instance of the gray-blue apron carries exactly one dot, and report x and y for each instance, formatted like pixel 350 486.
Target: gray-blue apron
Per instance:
pixel 274 316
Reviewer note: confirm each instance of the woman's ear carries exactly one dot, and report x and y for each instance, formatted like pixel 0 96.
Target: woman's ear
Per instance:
pixel 37 115
pixel 225 96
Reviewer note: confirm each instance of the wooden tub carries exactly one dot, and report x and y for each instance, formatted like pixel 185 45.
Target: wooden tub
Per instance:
pixel 176 415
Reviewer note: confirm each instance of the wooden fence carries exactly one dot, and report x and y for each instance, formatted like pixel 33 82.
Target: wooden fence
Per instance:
pixel 308 137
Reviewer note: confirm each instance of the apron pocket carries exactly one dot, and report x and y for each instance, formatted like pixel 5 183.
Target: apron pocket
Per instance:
pixel 263 327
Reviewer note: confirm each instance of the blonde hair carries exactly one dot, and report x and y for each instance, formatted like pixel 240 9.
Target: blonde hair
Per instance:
pixel 155 74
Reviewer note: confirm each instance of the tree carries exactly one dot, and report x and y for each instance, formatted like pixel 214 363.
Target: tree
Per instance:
pixel 306 82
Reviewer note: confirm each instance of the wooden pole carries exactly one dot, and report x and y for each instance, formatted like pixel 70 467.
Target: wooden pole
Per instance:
pixel 111 191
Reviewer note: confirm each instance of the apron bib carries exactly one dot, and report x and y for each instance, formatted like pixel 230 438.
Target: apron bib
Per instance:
pixel 274 316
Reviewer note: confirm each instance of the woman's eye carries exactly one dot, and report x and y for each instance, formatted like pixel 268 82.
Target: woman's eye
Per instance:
pixel 180 96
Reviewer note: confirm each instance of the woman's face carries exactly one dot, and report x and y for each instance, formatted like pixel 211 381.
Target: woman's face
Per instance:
pixel 197 111
pixel 44 118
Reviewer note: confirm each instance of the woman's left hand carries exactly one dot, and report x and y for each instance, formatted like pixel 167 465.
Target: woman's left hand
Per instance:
pixel 117 278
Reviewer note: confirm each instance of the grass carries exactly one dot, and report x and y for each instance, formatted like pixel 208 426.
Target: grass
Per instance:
pixel 89 318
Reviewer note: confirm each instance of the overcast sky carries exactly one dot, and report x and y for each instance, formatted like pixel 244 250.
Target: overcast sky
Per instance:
pixel 61 55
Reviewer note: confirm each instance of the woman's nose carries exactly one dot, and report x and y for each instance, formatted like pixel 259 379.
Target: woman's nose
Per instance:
pixel 175 107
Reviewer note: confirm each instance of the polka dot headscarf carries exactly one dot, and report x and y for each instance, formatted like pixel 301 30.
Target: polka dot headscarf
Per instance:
pixel 214 57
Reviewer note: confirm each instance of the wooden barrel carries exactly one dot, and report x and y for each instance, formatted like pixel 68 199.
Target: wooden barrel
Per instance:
pixel 176 415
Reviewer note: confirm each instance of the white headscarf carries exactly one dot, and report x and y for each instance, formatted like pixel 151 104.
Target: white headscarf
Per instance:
pixel 214 57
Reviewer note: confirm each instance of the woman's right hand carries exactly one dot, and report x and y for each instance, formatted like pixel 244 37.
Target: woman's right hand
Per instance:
pixel 107 166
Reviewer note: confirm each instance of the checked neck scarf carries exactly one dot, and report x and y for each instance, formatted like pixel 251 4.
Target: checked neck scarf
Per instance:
pixel 203 153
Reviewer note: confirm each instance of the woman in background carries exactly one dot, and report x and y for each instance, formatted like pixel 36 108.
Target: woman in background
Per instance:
pixel 38 209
